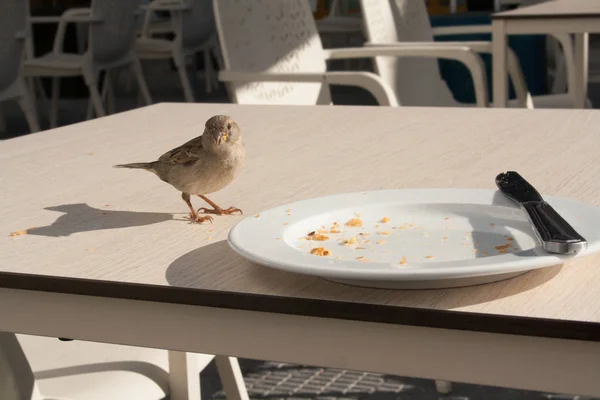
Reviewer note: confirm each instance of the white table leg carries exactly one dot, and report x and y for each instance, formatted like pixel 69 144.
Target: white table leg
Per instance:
pixel 231 377
pixel 581 69
pixel 184 376
pixel 499 63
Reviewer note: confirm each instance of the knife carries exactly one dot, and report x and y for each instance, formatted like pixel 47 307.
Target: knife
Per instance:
pixel 556 235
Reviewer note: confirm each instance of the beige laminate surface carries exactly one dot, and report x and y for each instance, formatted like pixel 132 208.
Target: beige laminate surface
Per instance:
pixel 96 222
pixel 555 8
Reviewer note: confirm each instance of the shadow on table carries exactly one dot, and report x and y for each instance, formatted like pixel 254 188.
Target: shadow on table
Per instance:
pixel 81 217
pixel 187 271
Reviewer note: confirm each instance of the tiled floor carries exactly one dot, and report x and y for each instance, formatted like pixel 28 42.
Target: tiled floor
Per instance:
pixel 266 380
pixel 273 381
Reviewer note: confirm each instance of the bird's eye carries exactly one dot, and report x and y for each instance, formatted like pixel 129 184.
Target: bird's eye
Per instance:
pixel 228 126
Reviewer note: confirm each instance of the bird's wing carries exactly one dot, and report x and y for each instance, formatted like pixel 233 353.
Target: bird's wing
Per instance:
pixel 186 153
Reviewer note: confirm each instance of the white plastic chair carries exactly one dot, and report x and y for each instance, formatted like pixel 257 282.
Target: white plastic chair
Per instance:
pixel 418 82
pixel 38 368
pixel 194 32
pixel 112 27
pixel 273 55
pixel 13 33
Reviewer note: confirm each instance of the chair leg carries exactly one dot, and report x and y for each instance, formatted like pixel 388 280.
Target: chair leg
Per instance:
pixel 54 105
pixel 184 376
pixel 108 93
pixel 28 108
pixel 185 82
pixel 2 120
pixel 231 377
pixel 141 81
pixel 443 387
pixel 91 80
pixel 208 71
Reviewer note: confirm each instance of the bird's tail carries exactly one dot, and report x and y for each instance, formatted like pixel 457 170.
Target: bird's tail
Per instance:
pixel 138 165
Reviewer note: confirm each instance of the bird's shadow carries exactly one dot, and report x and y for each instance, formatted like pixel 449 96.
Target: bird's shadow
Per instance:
pixel 80 217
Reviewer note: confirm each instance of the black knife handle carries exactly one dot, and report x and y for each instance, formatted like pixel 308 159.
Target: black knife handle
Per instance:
pixel 550 225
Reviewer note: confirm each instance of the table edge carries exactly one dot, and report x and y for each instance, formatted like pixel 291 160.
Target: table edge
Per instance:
pixel 553 16
pixel 331 309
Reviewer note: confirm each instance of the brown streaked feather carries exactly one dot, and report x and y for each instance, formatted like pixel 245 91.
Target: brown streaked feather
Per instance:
pixel 188 152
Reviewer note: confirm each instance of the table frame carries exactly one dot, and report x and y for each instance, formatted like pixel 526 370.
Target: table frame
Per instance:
pixel 516 361
pixel 504 26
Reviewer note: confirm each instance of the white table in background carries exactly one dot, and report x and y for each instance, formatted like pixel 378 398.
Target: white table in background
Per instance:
pixel 579 17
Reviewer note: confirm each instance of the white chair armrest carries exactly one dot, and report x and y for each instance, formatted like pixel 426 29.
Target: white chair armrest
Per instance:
pixel 73 15
pixel 372 83
pixel 514 66
pixel 461 30
pixel 461 53
pixel 167 5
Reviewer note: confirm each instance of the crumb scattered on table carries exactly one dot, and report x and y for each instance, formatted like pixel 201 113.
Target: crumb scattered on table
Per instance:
pixel 384 220
pixel 447 218
pixel 351 241
pixel 380 242
pixel 257 216
pixel 444 238
pixel 384 233
pixel 317 236
pixel 354 222
pixel 403 261
pixel 19 233
pixel 429 257
pixel 320 251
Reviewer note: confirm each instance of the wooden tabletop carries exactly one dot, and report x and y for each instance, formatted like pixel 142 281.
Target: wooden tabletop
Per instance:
pixel 96 230
pixel 554 9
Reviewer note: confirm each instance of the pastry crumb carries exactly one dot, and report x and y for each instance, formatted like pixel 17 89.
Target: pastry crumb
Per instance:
pixel 384 220
pixel 380 242
pixel 403 261
pixel 335 230
pixel 444 238
pixel 317 236
pixel 19 232
pixel 354 222
pixel 257 216
pixel 447 218
pixel 320 251
pixel 429 257
pixel 351 241
pixel 384 233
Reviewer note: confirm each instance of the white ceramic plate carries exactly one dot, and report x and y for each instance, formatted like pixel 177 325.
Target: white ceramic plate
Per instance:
pixel 435 238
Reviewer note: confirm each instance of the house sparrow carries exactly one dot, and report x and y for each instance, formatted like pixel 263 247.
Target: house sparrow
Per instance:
pixel 203 165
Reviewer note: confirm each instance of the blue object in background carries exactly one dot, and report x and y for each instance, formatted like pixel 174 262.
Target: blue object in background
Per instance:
pixel 530 49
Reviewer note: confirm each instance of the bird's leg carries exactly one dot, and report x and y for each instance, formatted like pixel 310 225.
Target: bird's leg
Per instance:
pixel 194 217
pixel 216 209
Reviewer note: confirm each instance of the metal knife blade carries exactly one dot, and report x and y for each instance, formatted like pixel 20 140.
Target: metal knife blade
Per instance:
pixel 555 234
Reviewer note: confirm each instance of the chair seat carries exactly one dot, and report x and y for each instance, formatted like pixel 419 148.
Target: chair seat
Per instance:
pixel 53 64
pixel 152 48
pixel 94 371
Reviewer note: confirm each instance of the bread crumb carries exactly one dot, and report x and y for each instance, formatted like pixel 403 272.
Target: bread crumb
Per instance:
pixel 288 211
pixel 317 236
pixel 484 253
pixel 354 222
pixel 380 242
pixel 360 248
pixel 384 220
pixel 320 251
pixel 403 261
pixel 257 216
pixel 447 218
pixel 209 238
pixel 335 230
pixel 509 238
pixel 384 233
pixel 429 257
pixel 286 223
pixel 444 238
pixel 20 232
pixel 351 241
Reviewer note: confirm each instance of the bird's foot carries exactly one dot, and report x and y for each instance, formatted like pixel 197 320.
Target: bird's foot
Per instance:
pixel 196 219
pixel 220 211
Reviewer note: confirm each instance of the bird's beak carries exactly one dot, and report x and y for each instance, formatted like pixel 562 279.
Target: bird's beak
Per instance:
pixel 222 137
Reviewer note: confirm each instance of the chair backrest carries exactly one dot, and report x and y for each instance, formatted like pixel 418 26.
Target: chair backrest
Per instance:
pixel 112 40
pixel 13 19
pixel 271 36
pixel 16 377
pixel 197 24
pixel 417 81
